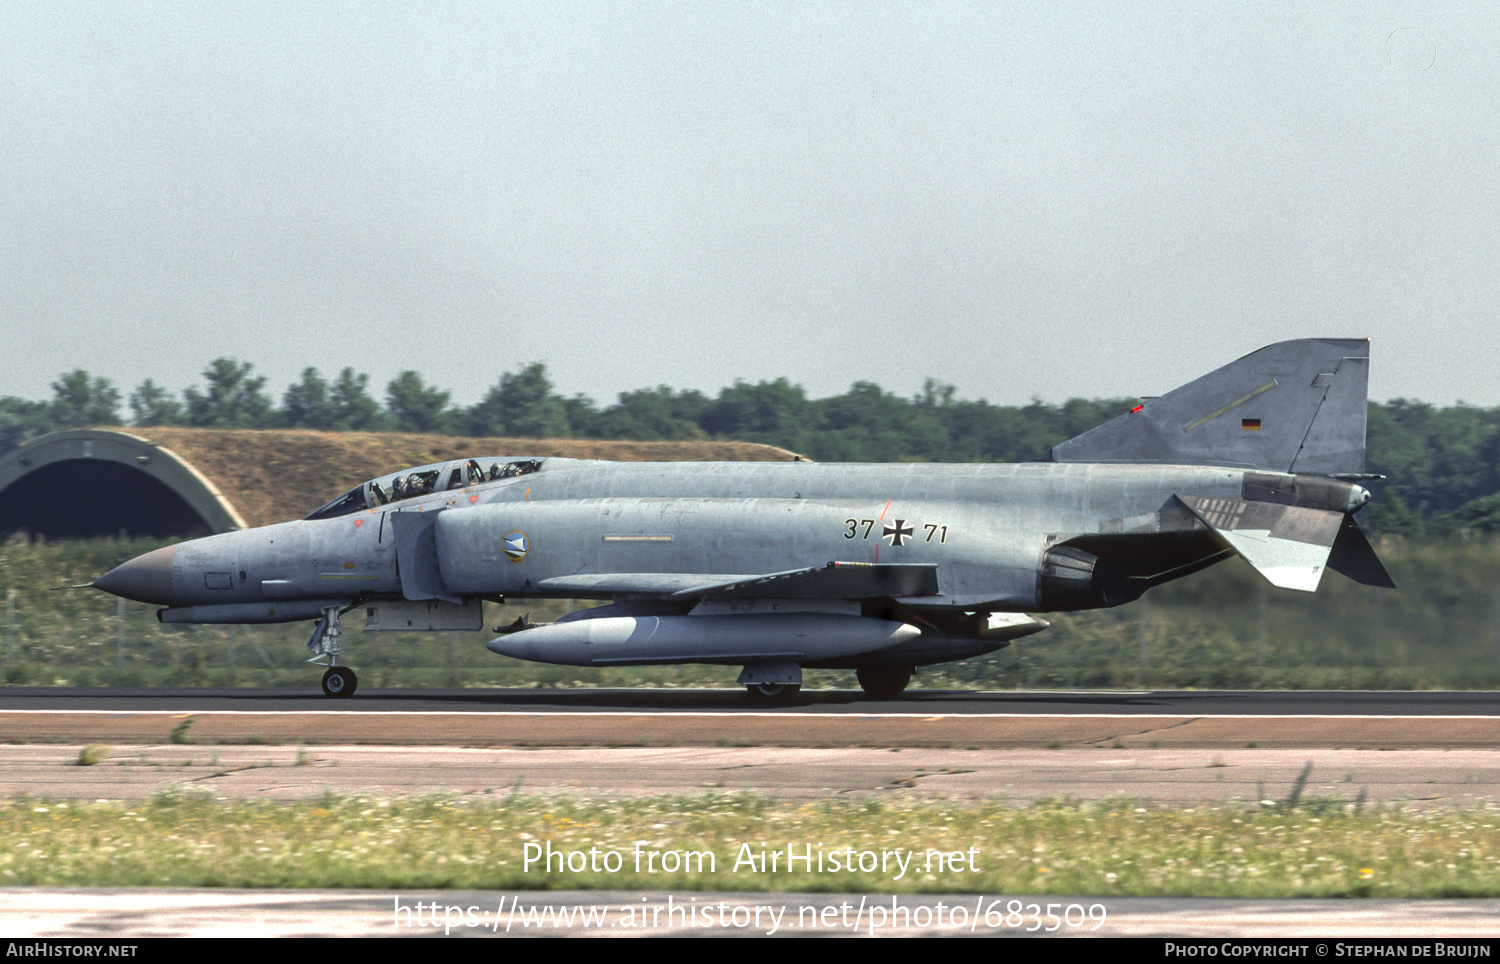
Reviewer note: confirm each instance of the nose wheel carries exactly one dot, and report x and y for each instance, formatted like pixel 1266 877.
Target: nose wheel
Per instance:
pixel 339 682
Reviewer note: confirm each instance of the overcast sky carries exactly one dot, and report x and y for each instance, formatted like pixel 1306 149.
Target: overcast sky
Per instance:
pixel 1046 200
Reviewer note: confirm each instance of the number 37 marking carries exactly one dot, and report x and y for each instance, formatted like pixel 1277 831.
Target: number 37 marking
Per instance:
pixel 861 529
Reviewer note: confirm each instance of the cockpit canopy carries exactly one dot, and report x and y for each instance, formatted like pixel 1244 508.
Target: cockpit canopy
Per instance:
pixel 425 480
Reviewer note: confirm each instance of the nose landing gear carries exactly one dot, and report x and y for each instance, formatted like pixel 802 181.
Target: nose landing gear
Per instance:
pixel 339 682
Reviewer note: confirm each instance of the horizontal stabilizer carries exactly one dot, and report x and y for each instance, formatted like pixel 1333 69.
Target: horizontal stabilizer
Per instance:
pixel 1353 556
pixel 1287 544
pixel 1296 406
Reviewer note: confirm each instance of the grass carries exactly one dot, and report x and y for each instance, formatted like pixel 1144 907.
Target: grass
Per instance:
pixel 1316 848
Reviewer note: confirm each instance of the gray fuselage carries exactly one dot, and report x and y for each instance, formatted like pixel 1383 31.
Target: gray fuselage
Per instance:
pixel 986 528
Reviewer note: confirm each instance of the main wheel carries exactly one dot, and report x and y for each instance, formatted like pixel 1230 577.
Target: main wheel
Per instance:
pixel 339 682
pixel 773 692
pixel 884 682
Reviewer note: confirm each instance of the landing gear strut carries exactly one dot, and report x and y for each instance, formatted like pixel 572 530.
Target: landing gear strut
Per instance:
pixel 339 682
pixel 883 682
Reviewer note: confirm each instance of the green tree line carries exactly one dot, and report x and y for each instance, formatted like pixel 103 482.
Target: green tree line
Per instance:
pixel 1442 464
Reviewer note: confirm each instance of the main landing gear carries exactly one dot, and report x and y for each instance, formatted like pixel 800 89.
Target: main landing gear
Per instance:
pixel 773 692
pixel 883 682
pixel 339 682
pixel 771 682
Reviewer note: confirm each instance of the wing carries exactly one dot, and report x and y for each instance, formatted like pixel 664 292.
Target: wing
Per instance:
pixel 836 580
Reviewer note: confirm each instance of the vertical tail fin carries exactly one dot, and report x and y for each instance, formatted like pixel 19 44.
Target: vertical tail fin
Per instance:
pixel 1296 406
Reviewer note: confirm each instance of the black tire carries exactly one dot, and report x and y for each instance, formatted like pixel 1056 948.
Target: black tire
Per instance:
pixel 884 682
pixel 773 692
pixel 339 683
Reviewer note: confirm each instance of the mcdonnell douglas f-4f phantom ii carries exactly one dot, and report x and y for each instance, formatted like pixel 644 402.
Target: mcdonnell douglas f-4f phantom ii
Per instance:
pixel 780 566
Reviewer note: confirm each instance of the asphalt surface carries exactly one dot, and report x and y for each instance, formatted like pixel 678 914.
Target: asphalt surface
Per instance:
pixel 614 718
pixel 1165 777
pixel 831 702
pixel 1171 747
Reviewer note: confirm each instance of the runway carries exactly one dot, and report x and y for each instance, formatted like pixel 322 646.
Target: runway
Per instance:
pixel 1158 777
pixel 1158 748
pixel 956 719
pixel 733 700
pixel 1178 747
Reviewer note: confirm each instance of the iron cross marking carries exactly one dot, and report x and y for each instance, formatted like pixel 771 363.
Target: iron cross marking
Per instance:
pixel 897 533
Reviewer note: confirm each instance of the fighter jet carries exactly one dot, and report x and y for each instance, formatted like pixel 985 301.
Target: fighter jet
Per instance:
pixel 779 567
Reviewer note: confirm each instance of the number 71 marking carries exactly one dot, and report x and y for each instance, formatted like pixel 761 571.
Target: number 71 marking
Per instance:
pixel 852 526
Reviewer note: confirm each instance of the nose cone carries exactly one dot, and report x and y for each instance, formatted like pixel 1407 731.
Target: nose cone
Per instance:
pixel 146 579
